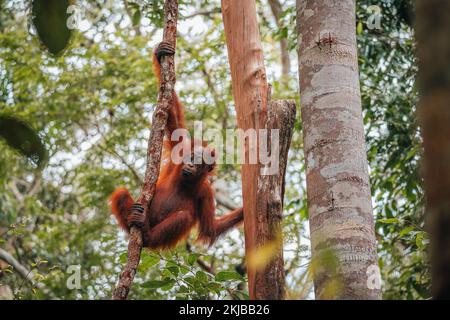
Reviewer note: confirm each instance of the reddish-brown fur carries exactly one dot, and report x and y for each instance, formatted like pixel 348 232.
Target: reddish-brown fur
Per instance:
pixel 180 203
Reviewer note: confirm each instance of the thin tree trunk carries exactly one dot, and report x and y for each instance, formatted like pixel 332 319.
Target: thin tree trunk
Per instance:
pixel 136 28
pixel 433 35
pixel 154 148
pixel 277 10
pixel 339 200
pixel 262 195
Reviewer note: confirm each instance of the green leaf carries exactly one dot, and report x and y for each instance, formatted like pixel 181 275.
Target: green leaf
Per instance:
pixel 22 137
pixel 389 221
pixel 174 270
pixel 421 290
pixel 405 231
pixel 168 286
pixel 184 269
pixel 201 276
pixel 227 276
pixel 214 286
pixel 183 289
pixel 192 258
pixel 134 5
pixel 359 28
pixel 191 280
pixel 182 296
pixel 50 19
pixel 136 18
pixel 419 240
pixel 149 260
pixel 155 284
pixel 123 257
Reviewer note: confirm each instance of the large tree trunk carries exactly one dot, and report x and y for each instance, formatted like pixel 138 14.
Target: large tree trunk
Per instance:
pixel 339 200
pixel 262 195
pixel 433 35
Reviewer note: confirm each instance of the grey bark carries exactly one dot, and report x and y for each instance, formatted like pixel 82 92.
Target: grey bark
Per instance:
pixel 345 264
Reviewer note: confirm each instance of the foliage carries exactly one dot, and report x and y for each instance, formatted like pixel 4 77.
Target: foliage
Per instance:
pixel 20 136
pixel 388 70
pixel 50 20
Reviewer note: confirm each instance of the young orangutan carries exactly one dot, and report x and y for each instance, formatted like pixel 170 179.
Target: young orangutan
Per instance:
pixel 184 197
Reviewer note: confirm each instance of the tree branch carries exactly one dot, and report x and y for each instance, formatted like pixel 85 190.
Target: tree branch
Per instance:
pixel 212 88
pixel 114 153
pixel 202 264
pixel 277 10
pixel 130 15
pixel 18 267
pixel 154 149
pixel 221 196
pixel 205 13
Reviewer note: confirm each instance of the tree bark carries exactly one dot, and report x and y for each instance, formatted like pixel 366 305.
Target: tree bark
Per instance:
pixel 154 148
pixel 18 267
pixel 262 195
pixel 270 280
pixel 433 29
pixel 338 190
